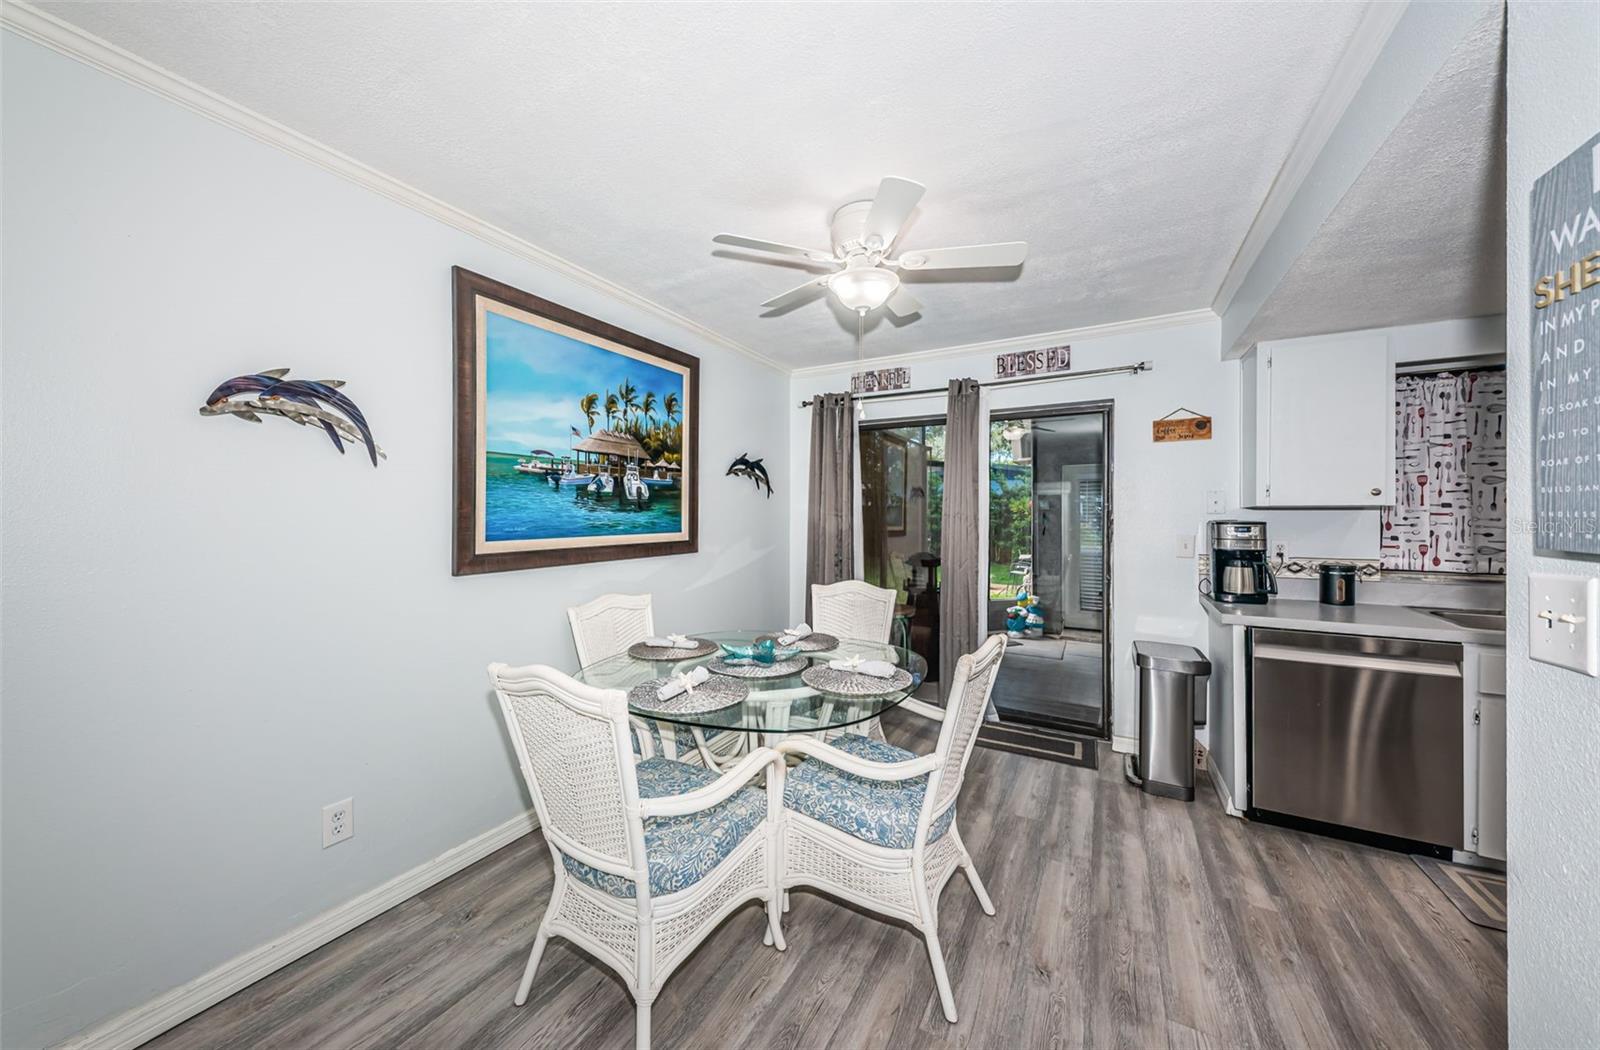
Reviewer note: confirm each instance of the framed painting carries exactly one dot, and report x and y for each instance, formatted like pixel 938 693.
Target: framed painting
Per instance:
pixel 575 441
pixel 894 484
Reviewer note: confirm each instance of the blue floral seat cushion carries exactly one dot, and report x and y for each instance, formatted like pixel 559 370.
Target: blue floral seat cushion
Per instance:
pixel 681 734
pixel 680 850
pixel 882 812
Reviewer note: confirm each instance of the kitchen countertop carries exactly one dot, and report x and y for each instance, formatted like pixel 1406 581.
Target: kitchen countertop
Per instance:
pixel 1388 621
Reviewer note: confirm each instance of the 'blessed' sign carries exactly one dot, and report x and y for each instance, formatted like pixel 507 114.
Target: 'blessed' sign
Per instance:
pixel 1020 363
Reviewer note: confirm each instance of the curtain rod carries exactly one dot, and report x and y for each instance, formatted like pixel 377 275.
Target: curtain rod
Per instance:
pixel 1471 362
pixel 1133 370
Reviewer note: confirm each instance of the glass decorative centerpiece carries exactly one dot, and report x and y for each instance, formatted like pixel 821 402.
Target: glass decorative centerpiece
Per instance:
pixel 765 651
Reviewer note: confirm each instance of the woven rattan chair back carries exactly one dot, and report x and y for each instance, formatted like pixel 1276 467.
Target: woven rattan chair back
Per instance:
pixel 606 626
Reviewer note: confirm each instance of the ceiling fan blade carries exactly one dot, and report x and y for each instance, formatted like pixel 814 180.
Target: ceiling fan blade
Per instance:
pixel 890 210
pixel 814 254
pixel 1010 253
pixel 902 303
pixel 794 295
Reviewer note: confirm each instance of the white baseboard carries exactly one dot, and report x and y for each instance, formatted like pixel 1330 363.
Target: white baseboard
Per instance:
pixel 1222 790
pixel 1125 745
pixel 143 1023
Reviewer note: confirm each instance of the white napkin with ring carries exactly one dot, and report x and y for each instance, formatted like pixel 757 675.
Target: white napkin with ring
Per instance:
pixel 856 665
pixel 793 634
pixel 671 641
pixel 683 683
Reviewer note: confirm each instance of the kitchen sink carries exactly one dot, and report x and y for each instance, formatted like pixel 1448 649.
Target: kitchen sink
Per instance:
pixel 1472 619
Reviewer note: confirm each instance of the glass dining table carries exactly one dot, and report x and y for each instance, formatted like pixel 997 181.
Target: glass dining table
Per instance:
pixel 772 706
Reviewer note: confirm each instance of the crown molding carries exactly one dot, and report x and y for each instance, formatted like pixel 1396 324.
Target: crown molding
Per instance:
pixel 1020 342
pixel 1366 44
pixel 65 38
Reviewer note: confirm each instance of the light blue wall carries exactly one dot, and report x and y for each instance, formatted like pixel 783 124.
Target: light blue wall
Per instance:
pixel 1552 715
pixel 213 629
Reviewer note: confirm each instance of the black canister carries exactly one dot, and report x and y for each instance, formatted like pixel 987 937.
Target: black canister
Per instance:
pixel 1338 584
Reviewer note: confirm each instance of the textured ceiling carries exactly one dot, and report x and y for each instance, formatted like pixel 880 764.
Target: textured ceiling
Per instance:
pixel 1421 234
pixel 1130 144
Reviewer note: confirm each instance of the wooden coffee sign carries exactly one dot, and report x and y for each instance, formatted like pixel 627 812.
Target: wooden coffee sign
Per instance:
pixel 1020 363
pixel 1564 268
pixel 1173 427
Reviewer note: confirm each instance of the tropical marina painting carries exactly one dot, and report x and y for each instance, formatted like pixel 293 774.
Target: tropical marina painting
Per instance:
pixel 578 437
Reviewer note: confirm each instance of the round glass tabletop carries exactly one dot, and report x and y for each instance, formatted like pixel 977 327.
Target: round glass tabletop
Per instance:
pixel 783 704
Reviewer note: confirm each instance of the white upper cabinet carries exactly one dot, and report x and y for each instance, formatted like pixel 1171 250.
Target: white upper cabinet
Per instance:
pixel 1318 427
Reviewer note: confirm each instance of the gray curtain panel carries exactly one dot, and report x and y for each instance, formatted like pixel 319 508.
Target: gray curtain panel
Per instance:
pixel 966 463
pixel 830 510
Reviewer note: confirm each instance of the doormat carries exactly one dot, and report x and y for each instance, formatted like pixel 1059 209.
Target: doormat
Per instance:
pixel 1073 750
pixel 1477 894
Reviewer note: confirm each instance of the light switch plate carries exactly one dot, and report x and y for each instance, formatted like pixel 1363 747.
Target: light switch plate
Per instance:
pixel 1185 546
pixel 1562 627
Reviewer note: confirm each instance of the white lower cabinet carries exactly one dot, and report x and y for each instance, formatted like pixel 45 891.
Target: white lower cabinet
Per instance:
pixel 1485 802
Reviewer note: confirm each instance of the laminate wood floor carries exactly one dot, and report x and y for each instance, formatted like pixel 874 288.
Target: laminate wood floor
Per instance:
pixel 1124 921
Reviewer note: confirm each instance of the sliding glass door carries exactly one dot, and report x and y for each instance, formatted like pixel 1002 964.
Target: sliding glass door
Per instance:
pixel 1047 564
pixel 902 491
pixel 1048 553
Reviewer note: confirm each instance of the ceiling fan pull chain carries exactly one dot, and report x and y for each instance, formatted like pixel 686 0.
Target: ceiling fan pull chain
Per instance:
pixel 861 322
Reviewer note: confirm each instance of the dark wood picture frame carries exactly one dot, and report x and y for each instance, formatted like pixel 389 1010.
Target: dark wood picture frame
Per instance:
pixel 468 560
pixel 902 498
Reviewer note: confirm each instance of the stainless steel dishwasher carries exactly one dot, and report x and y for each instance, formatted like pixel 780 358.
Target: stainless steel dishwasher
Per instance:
pixel 1357 731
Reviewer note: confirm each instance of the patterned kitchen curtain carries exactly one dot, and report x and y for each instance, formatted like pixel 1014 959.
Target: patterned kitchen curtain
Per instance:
pixel 1450 475
pixel 831 506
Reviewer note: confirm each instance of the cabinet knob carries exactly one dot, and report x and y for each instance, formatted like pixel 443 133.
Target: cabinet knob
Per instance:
pixel 1377 492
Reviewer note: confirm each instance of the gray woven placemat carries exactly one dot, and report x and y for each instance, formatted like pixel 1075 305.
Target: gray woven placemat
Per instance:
pixel 641 651
pixel 825 679
pixel 815 642
pixel 779 669
pixel 713 694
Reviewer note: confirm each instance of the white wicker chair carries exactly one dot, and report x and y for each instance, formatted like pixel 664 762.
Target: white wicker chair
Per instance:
pixel 854 609
pixel 649 857
pixel 606 627
pixel 875 825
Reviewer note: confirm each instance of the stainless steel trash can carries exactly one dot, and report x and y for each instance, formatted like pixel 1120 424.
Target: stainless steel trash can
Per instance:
pixel 1172 701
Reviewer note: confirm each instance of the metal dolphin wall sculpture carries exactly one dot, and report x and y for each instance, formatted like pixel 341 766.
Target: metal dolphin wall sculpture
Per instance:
pixel 745 467
pixel 299 400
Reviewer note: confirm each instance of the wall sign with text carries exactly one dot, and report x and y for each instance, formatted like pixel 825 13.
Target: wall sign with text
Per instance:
pixel 878 380
pixel 1021 363
pixel 1181 425
pixel 1564 265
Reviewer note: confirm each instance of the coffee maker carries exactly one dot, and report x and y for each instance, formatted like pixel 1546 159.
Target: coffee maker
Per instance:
pixel 1239 572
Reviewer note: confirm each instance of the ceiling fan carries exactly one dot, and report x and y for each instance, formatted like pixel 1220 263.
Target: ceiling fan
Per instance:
pixel 863 235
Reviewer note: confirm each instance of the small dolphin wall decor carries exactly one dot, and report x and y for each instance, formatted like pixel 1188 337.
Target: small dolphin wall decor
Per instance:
pixel 745 467
pixel 299 400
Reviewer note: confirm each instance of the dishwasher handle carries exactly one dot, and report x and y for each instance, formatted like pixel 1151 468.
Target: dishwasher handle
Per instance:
pixel 1358 661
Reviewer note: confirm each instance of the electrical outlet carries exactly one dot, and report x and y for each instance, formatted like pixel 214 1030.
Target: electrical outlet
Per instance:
pixel 338 822
pixel 1213 501
pixel 1199 756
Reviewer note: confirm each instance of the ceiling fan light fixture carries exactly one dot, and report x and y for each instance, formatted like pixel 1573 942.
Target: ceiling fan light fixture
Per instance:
pixel 866 288
pixel 862 234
